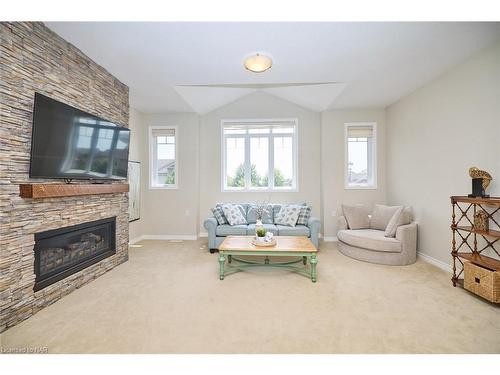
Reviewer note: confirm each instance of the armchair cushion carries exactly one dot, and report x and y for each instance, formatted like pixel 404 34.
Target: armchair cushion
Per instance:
pixel 390 230
pixel 370 239
pixel 356 216
pixel 342 223
pixel 382 215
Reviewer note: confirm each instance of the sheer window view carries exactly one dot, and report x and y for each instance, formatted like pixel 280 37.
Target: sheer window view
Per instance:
pixel 100 152
pixel 163 158
pixel 360 156
pixel 259 157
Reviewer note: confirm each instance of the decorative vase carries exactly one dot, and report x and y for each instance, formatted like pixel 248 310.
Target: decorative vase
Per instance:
pixel 259 228
pixel 481 220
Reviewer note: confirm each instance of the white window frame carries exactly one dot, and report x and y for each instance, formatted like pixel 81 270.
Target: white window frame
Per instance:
pixel 270 189
pixel 372 186
pixel 152 156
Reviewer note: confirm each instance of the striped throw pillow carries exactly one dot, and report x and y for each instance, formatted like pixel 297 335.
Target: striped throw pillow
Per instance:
pixel 304 215
pixel 219 215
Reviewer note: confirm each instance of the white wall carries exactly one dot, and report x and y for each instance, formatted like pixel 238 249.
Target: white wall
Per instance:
pixel 174 212
pixel 426 142
pixel 137 148
pixel 333 160
pixel 260 105
pixel 435 135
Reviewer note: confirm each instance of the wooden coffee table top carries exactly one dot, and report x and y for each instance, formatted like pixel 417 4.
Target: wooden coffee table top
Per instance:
pixel 283 243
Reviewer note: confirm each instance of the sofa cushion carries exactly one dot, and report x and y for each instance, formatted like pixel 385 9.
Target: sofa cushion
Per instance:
pixel 381 216
pixel 370 239
pixel 298 230
pixel 268 227
pixel 231 230
pixel 268 216
pixel 356 216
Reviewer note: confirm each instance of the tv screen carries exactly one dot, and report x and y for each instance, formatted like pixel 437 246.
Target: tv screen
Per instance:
pixel 72 144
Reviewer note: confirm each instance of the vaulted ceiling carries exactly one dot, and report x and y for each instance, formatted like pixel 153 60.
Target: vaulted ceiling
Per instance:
pixel 198 67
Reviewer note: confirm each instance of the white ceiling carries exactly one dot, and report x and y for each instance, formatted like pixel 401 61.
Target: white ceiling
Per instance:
pixel 198 67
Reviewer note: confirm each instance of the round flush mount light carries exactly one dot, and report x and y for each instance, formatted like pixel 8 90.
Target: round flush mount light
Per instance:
pixel 258 63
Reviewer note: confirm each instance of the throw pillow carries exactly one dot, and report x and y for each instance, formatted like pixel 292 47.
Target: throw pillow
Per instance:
pixel 219 215
pixel 287 215
pixel 390 230
pixel 242 209
pixel 277 207
pixel 233 214
pixel 406 216
pixel 404 219
pixel 304 215
pixel 381 216
pixel 356 216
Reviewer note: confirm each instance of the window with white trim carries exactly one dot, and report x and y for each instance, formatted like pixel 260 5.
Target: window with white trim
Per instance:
pixel 259 155
pixel 163 157
pixel 360 156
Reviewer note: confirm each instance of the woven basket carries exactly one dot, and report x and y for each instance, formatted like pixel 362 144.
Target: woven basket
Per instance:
pixel 482 281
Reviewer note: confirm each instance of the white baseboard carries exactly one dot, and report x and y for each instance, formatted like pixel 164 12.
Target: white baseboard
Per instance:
pixel 135 240
pixel 184 237
pixel 330 239
pixel 442 265
pixel 203 234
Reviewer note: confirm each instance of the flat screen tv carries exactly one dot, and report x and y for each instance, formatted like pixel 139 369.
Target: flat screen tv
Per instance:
pixel 68 143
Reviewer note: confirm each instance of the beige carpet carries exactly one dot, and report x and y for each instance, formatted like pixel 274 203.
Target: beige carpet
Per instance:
pixel 168 299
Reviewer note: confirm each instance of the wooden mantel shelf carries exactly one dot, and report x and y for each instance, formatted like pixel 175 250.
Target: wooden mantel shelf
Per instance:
pixel 68 190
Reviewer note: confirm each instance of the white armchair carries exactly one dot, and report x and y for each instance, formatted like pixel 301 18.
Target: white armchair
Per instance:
pixel 371 245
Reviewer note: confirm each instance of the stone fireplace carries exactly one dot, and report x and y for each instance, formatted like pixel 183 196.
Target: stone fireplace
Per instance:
pixel 65 251
pixel 34 274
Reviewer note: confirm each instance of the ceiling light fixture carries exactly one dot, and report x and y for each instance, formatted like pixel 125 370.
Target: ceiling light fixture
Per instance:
pixel 258 63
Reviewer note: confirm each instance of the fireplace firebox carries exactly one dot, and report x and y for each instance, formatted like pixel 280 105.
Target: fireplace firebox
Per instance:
pixel 62 252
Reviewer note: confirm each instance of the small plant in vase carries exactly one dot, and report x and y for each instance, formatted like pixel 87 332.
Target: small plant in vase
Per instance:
pixel 260 211
pixel 261 232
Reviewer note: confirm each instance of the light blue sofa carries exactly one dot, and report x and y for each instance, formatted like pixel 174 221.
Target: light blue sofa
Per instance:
pixel 217 233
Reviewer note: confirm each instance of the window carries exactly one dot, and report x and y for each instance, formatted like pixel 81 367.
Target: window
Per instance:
pixel 360 156
pixel 259 155
pixel 163 157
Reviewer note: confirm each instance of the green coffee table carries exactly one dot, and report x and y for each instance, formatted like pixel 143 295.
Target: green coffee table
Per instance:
pixel 286 246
